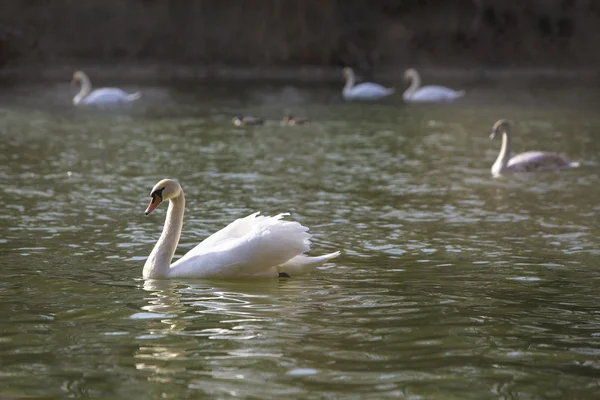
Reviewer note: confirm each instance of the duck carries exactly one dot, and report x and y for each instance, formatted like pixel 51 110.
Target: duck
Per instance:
pixel 427 94
pixel 363 91
pixel 254 246
pixel 103 96
pixel 530 161
pixel 241 120
pixel 291 120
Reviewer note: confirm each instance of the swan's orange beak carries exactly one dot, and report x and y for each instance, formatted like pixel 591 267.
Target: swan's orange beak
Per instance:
pixel 156 200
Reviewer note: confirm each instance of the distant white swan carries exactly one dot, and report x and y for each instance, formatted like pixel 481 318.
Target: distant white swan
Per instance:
pixel 530 161
pixel 250 247
pixel 363 91
pixel 104 96
pixel 427 94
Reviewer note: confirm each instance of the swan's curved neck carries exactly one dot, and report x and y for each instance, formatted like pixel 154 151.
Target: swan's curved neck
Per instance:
pixel 86 88
pixel 415 82
pixel 349 81
pixel 504 155
pixel 158 263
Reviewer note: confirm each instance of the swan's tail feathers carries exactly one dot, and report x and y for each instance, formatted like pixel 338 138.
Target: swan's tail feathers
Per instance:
pixel 390 91
pixel 302 264
pixel 134 96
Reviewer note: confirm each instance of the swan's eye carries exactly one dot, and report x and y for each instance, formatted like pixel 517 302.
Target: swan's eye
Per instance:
pixel 158 193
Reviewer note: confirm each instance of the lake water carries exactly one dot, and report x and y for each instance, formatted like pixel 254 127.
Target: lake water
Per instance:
pixel 451 284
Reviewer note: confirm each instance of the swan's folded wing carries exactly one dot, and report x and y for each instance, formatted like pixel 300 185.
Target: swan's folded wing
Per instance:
pixel 105 95
pixel 237 229
pixel 368 90
pixel 435 93
pixel 258 252
pixel 537 161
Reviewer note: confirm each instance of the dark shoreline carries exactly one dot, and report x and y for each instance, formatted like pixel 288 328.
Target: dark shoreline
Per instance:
pixel 163 72
pixel 308 40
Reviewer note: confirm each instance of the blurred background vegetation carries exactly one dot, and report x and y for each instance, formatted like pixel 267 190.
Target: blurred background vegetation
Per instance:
pixel 362 33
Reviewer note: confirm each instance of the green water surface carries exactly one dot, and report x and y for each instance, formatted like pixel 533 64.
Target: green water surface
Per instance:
pixel 451 284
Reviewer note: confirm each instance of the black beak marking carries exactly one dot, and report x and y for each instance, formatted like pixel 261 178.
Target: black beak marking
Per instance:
pixel 157 193
pixel 157 197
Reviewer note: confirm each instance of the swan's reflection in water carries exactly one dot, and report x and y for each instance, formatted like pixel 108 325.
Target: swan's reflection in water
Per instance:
pixel 184 319
pixel 163 303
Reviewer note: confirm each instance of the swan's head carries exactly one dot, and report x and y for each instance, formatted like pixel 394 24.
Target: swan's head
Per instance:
pixel 77 76
pixel 501 126
pixel 410 74
pixel 347 72
pixel 166 189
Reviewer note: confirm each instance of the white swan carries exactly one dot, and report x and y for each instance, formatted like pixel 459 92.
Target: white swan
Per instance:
pixel 426 94
pixel 530 161
pixel 363 91
pixel 104 96
pixel 250 247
